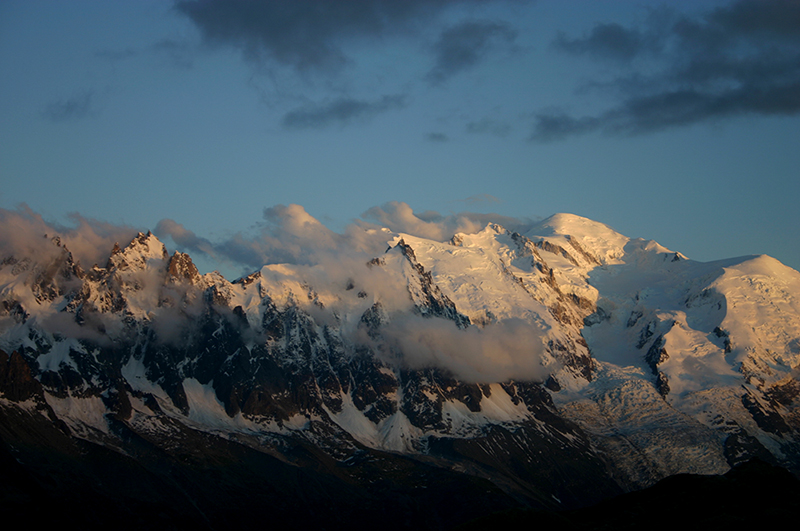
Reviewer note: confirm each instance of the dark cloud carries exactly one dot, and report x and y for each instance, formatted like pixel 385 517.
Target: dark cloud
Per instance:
pixel 340 111
pixel 743 58
pixel 607 40
pixel 304 34
pixel 557 126
pixel 74 108
pixel 489 126
pixel 178 54
pixel 183 237
pixel 313 41
pixel 436 137
pixel 238 249
pixel 465 45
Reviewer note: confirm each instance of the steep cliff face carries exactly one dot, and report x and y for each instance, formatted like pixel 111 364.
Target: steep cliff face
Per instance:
pixel 566 361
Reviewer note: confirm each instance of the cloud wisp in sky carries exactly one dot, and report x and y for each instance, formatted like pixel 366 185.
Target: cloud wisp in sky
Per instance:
pixel 489 126
pixel 400 217
pixel 340 111
pixel 436 136
pixel 286 235
pixel 740 59
pixel 465 45
pixel 75 107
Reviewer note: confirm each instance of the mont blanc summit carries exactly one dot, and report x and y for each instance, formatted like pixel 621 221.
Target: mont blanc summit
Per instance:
pixel 552 368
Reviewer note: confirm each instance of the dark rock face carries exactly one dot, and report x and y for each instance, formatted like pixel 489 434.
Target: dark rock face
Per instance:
pixel 204 481
pixel 656 355
pixel 181 268
pixel 16 380
pixel 555 249
pixel 765 414
pixel 433 302
pixel 726 339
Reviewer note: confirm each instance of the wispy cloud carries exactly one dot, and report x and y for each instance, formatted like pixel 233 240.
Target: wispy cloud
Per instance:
pixel 289 234
pixel 463 46
pixel 26 234
pixel 436 137
pixel 178 53
pixel 310 50
pixel 400 217
pixel 340 111
pixel 75 107
pixel 743 58
pixel 611 41
pixel 489 126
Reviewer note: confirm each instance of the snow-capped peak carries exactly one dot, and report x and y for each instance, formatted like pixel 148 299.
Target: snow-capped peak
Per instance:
pixel 144 249
pixel 599 242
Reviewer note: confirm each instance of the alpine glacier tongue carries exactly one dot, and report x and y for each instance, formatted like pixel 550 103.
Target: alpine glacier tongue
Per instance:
pixel 569 352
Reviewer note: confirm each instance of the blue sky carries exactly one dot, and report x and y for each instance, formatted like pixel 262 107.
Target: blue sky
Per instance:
pixel 676 122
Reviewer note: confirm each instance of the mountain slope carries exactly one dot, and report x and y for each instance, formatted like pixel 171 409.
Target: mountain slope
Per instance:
pixel 564 365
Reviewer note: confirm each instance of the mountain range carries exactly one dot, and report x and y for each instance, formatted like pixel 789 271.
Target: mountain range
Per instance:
pixel 423 386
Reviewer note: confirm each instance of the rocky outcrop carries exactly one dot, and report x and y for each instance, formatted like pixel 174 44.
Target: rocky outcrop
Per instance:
pixel 428 298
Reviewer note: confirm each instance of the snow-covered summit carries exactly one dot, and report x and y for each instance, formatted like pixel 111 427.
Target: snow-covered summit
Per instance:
pixel 564 223
pixel 143 251
pixel 589 241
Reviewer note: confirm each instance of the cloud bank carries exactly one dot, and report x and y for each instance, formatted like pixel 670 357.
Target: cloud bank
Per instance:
pixel 306 35
pixel 510 349
pixel 400 217
pixel 321 258
pixel 289 234
pixel 26 234
pixel 465 45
